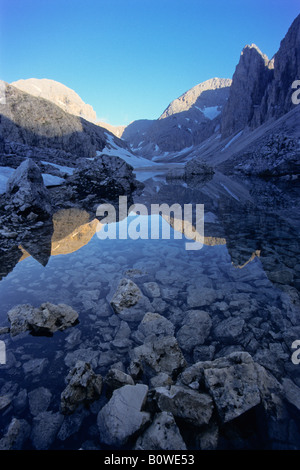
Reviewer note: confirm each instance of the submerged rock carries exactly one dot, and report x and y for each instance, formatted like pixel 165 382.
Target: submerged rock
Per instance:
pixel 35 366
pixel 129 302
pixel 151 289
pixel 45 428
pixel 5 401
pixel 122 416
pixel 127 295
pixel 16 435
pixel 195 330
pixel 200 296
pixel 154 324
pixel 84 386
pixel 39 400
pixel 229 330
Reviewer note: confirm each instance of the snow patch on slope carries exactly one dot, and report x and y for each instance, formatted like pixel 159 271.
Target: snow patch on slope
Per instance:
pixel 210 112
pixel 5 173
pixel 232 140
pixel 64 169
pixel 113 149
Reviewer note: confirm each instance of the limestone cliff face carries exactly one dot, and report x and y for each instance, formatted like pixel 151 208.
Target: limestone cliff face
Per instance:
pixel 252 75
pixel 37 123
pixel 66 98
pixel 277 99
pixel 261 88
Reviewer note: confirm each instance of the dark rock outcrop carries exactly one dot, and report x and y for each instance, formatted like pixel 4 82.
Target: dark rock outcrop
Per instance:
pixel 84 387
pixel 26 191
pixel 44 320
pixel 37 122
pixel 252 75
pixel 261 88
pixel 105 177
pixel 278 96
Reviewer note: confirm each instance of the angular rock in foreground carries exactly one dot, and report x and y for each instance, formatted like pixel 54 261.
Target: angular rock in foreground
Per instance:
pixel 236 384
pixel 233 385
pixel 292 392
pixel 122 417
pixel 26 191
pixel 157 355
pixel 44 320
pixel 163 434
pixel 84 386
pixel 190 405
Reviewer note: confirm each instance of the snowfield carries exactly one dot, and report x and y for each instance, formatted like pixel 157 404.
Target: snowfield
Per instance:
pixel 210 112
pixel 113 149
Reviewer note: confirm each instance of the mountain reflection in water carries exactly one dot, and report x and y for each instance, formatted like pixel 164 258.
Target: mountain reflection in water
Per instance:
pixel 247 270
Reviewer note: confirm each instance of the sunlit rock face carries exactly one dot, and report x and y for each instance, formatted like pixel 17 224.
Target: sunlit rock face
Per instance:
pixel 64 97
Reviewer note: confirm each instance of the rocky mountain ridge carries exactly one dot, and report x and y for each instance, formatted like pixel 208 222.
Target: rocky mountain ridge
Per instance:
pixel 187 121
pixel 34 127
pixel 61 95
pixel 262 88
pixel 259 132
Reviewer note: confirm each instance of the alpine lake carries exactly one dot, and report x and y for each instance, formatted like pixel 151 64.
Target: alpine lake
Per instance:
pixel 246 277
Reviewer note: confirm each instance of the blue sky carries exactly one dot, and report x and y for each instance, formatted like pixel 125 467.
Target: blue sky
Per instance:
pixel 130 58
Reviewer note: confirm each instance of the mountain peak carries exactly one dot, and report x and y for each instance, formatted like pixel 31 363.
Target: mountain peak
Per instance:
pixel 252 54
pixel 66 98
pixel 190 97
